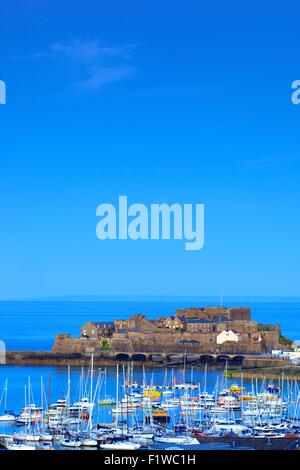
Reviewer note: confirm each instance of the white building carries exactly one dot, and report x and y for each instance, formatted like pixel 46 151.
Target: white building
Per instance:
pixel 227 335
pixel 276 352
pixel 293 356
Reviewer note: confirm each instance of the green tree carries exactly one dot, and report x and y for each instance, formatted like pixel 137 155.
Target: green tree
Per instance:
pixel 105 344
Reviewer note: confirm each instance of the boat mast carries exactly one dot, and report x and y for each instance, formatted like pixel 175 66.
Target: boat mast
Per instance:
pixel 42 401
pixel 91 394
pixel 5 394
pixel 117 394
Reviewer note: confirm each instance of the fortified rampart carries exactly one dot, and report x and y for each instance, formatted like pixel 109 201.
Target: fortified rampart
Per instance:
pixel 253 365
pixel 215 313
pixel 212 330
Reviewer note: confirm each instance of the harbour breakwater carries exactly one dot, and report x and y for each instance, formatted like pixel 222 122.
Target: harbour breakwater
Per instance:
pixel 287 371
pixel 235 364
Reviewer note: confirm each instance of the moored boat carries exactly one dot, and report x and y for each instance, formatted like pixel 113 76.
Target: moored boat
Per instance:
pixel 68 442
pixel 19 446
pixel 127 445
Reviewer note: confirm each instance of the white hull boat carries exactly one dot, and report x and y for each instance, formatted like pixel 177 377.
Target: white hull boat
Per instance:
pixel 228 428
pixel 122 410
pixel 70 443
pixel 27 437
pixel 89 443
pixel 16 446
pixel 121 446
pixel 184 440
pixel 7 417
pixel 45 446
pixel 46 437
pixel 5 438
pixel 143 435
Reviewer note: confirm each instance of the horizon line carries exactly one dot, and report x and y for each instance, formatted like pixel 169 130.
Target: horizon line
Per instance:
pixel 137 297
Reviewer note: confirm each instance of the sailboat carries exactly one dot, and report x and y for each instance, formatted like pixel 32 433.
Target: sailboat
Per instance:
pixel 121 445
pixel 182 440
pixel 69 442
pixel 28 435
pixel 44 436
pixel 19 446
pixel 7 416
pixel 107 400
pixel 87 440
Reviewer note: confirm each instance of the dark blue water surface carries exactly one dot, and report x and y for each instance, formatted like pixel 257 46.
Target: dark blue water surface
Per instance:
pixel 32 325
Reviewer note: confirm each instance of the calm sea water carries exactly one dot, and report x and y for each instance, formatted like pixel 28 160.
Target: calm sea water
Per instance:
pixel 33 325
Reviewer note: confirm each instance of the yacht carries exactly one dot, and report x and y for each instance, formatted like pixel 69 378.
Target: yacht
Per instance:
pixel 119 445
pixel 19 446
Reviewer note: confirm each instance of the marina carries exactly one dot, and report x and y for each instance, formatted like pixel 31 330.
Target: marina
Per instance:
pixel 82 395
pixel 130 408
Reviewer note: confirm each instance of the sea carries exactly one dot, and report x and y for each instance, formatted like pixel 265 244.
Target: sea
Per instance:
pixel 33 325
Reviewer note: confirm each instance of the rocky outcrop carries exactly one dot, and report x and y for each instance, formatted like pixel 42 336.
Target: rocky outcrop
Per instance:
pixel 65 344
pixel 194 330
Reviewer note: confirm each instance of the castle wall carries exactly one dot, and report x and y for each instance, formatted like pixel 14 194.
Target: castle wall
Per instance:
pixel 170 341
pixel 240 313
pixel 214 313
pixel 66 344
pixel 137 334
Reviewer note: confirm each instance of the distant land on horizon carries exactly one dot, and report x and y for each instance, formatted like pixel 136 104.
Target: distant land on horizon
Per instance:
pixel 153 298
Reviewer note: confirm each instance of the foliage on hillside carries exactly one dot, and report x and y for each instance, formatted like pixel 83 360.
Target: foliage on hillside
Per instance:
pixel 285 341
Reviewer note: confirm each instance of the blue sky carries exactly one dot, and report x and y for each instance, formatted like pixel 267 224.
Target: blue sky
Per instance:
pixel 164 102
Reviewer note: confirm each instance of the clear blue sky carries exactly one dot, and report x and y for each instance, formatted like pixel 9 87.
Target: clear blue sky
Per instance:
pixel 162 101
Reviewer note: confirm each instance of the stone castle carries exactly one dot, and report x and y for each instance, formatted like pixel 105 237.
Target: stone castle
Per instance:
pixel 213 330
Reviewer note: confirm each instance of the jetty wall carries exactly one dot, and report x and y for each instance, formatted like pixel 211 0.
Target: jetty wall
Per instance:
pixel 42 358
